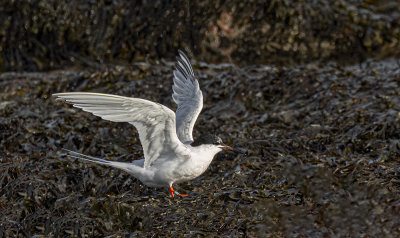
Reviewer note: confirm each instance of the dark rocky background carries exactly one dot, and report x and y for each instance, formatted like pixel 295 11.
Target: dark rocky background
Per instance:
pixel 310 89
pixel 47 34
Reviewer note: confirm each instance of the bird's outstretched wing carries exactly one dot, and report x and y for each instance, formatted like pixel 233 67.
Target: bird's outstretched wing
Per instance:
pixel 188 96
pixel 154 122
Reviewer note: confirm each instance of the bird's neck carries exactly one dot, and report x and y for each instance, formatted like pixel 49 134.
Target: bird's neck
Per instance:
pixel 203 154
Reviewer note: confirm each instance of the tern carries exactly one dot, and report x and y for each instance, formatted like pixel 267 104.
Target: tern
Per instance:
pixel 171 155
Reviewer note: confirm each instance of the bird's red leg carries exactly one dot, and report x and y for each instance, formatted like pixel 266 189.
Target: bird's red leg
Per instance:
pixel 172 191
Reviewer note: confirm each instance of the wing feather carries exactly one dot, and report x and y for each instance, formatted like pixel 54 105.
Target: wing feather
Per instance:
pixel 188 96
pixel 154 122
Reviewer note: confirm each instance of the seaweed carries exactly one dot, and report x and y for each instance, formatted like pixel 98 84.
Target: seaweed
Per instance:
pixel 322 143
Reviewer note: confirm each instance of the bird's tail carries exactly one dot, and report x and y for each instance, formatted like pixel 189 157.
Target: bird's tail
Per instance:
pixel 118 165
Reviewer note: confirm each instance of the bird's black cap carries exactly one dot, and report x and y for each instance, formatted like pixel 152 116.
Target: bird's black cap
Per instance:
pixel 207 139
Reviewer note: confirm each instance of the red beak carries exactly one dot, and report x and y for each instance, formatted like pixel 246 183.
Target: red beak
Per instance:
pixel 226 147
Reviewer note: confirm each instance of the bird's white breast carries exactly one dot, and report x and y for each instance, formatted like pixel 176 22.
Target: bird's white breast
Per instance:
pixel 197 164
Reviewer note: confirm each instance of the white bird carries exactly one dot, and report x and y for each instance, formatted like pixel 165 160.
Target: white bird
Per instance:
pixel 170 154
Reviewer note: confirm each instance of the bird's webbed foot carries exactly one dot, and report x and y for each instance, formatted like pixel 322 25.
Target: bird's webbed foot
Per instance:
pixel 173 193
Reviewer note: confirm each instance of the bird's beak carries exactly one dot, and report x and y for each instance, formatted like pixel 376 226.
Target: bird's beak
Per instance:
pixel 226 147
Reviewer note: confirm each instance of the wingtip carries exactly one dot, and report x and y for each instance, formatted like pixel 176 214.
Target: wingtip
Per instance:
pixel 180 52
pixel 59 96
pixel 182 56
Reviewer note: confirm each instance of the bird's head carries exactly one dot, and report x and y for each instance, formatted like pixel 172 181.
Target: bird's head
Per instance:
pixel 212 141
